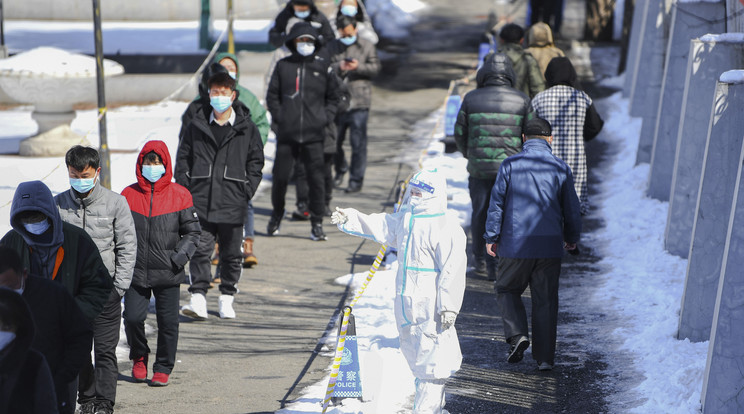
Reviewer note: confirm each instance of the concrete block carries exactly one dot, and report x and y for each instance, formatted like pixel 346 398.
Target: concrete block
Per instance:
pixel 644 99
pixel 631 70
pixel 709 57
pixel 688 21
pixel 723 381
pixel 720 169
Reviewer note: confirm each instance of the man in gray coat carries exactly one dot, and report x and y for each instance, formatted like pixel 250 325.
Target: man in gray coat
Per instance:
pixel 355 61
pixel 106 217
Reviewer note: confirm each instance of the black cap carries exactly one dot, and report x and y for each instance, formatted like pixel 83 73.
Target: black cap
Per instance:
pixel 537 126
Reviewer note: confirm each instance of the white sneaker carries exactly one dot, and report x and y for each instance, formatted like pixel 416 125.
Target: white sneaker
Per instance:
pixel 197 308
pixel 225 304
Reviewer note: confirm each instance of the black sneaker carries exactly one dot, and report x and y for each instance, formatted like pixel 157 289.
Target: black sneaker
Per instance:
pixel 273 228
pixel 302 212
pixel 480 267
pixel 339 180
pixel 104 407
pixel 544 366
pixel 516 352
pixel 87 408
pixel 328 212
pixel 353 188
pixel 317 233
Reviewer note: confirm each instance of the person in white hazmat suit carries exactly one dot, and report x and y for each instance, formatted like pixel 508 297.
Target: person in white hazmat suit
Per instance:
pixel 430 282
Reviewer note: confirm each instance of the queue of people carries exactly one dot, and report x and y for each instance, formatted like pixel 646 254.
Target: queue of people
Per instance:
pixel 74 258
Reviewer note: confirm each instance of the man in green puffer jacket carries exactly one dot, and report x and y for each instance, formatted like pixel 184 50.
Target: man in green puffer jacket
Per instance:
pixel 488 130
pixel 528 77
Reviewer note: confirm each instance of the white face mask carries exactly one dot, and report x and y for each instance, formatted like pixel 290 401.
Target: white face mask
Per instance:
pixel 305 48
pixel 37 228
pixel 6 338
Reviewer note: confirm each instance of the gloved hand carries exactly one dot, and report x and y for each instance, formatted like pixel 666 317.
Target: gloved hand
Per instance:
pixel 448 319
pixel 339 217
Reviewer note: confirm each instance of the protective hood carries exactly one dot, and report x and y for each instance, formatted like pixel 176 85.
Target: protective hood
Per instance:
pixel 298 30
pixel 433 186
pixel 162 150
pixel 232 57
pixel 496 71
pixel 539 35
pixel 560 71
pixel 35 196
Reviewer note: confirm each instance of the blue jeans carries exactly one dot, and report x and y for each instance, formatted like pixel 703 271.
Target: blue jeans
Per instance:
pixel 355 121
pixel 480 196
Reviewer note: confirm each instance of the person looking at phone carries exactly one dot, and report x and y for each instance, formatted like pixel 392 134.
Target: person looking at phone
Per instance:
pixel 354 60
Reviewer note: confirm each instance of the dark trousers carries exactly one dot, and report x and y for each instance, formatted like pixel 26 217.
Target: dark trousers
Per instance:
pixel 480 197
pixel 66 394
pixel 541 275
pixel 301 184
pixel 355 121
pixel 98 383
pixel 231 238
pixel 311 157
pixel 136 302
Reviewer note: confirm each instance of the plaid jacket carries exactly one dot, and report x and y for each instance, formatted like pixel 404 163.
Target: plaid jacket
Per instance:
pixel 565 108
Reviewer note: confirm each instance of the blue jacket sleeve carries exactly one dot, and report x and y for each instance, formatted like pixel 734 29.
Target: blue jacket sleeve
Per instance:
pixel 496 205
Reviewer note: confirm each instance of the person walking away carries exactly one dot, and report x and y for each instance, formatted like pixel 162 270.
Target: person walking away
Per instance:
pixel 55 250
pixel 63 335
pixel 258 116
pixel 528 77
pixel 533 217
pixel 305 11
pixel 25 380
pixel 105 216
pixel 302 99
pixel 487 131
pixel 430 281
pixel 167 236
pixel 355 61
pixel 219 161
pixel 574 118
pixel 540 45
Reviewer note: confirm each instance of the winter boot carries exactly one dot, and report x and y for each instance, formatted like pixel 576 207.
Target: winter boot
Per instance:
pixel 216 255
pixel 225 304
pixel 249 259
pixel 197 308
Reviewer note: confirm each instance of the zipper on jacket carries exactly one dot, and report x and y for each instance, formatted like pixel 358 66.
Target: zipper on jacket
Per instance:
pixel 149 217
pixel 302 105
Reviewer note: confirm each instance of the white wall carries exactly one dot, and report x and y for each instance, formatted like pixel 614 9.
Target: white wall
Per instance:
pixel 138 10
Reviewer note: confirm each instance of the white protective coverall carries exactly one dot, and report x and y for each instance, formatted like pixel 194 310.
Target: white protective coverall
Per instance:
pixel 431 279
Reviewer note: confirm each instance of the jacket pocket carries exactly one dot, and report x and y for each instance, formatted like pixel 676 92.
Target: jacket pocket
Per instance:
pixel 201 170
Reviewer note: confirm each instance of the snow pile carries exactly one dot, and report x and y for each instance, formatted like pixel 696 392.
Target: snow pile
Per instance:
pixel 391 18
pixel 55 63
pixel 732 76
pixel 644 284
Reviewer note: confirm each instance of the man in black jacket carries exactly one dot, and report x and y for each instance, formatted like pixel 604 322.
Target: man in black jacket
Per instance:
pixel 303 99
pixel 63 335
pixel 306 11
pixel 219 160
pixel 488 130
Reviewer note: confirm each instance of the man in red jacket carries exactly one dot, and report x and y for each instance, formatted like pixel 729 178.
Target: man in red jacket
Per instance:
pixel 167 235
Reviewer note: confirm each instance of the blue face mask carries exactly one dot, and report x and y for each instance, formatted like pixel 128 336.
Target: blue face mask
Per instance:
pixel 37 228
pixel 302 14
pixel 348 41
pixel 82 185
pixel 153 172
pixel 350 11
pixel 220 103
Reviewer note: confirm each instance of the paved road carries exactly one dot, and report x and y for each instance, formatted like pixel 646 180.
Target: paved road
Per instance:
pixel 266 356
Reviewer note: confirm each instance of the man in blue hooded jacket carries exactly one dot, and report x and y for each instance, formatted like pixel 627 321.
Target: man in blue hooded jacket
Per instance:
pixel 55 250
pixel 532 217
